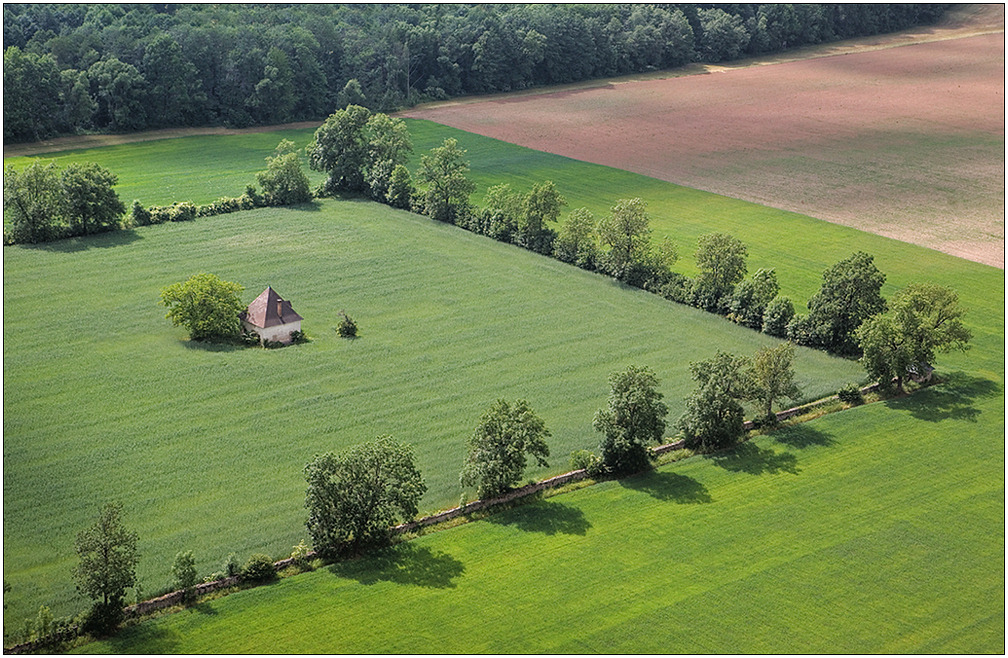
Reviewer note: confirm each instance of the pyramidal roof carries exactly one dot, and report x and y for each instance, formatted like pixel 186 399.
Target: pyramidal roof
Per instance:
pixel 269 310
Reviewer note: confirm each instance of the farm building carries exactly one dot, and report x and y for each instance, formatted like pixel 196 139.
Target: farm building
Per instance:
pixel 271 316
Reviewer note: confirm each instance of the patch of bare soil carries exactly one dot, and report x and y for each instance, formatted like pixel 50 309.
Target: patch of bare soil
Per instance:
pixel 901 135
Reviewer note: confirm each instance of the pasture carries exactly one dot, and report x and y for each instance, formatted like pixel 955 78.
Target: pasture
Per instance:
pixel 868 531
pixel 103 398
pixel 905 142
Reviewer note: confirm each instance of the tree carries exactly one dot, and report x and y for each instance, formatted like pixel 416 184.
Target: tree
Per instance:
pixel 723 35
pixel 777 315
pixel 923 319
pixel 577 239
pixel 444 170
pixel 850 294
pixel 284 182
pixel 108 559
pixel 205 305
pixel 714 415
pixel 721 260
pixel 625 233
pixel 29 199
pixel 497 449
pixel 634 417
pixel 400 189
pixel 540 207
pixel 389 146
pixel 750 299
pixel 773 378
pixel 184 571
pixel 91 203
pixel 354 497
pixel 340 149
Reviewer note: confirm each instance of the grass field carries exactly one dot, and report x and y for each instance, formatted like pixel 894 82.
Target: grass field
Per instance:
pixel 103 398
pixel 870 531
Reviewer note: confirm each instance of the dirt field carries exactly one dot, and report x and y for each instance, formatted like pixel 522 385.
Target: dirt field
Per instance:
pixel 900 135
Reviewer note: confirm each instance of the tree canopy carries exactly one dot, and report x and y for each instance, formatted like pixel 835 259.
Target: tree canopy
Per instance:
pixel 633 418
pixel 923 319
pixel 497 449
pixel 714 415
pixel 107 553
pixel 207 306
pixel 354 497
pixel 445 172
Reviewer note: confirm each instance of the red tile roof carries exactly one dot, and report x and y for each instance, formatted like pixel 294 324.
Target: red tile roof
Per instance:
pixel 269 310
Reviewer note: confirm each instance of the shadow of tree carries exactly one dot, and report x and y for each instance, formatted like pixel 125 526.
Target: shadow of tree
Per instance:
pixel 138 637
pixel 406 564
pixel 664 485
pixel 802 435
pixel 205 609
pixel 755 460
pixel 85 242
pixel 310 206
pixel 545 517
pixel 207 346
pixel 953 398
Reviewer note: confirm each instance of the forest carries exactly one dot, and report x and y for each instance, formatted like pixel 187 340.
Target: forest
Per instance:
pixel 77 68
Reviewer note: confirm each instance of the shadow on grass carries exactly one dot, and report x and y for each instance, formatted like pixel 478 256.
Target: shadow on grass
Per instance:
pixel 802 435
pixel 205 609
pixel 546 517
pixel 669 486
pixel 755 460
pixel 953 398
pixel 83 243
pixel 144 637
pixel 207 346
pixel 405 564
pixel 308 206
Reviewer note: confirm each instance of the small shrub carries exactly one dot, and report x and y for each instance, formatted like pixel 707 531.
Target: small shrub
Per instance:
pixel 139 216
pixel 259 569
pixel 347 327
pixel 271 344
pixel 588 461
pixel 851 394
pixel 231 566
pixel 300 554
pixel 184 571
pixel 250 338
pixel 298 337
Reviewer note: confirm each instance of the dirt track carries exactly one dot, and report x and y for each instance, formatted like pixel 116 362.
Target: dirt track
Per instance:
pixel 901 135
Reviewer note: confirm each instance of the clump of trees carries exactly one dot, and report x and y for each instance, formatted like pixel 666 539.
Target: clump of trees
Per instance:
pixel 70 68
pixel 43 202
pixel 284 182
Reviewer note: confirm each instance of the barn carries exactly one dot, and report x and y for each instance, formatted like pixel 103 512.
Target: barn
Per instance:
pixel 272 317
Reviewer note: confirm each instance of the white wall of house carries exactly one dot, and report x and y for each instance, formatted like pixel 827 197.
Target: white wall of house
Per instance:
pixel 279 333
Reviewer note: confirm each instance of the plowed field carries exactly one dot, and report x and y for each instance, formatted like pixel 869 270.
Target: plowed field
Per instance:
pixel 906 142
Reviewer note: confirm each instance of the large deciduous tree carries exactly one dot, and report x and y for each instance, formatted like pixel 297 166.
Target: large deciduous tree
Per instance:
pixel 721 260
pixel 923 319
pixel 207 306
pixel 354 497
pixel 773 378
pixel 444 171
pixel 714 415
pixel 340 149
pixel 625 234
pixel 850 294
pixel 31 197
pixel 91 203
pixel 108 557
pixel 633 418
pixel 497 449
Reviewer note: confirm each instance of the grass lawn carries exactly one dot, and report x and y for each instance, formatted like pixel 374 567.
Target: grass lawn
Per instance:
pixel 869 531
pixel 104 399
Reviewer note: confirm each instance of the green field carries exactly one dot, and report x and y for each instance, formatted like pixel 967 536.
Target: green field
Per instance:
pixel 104 399
pixel 868 531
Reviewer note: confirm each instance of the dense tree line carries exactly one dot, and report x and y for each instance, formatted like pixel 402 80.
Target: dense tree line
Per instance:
pixel 116 67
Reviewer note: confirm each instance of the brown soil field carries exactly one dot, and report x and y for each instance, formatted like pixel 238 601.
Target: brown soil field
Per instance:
pixel 901 135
